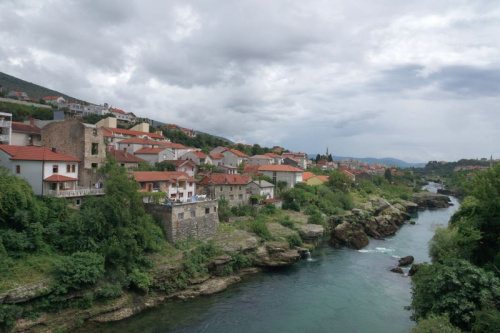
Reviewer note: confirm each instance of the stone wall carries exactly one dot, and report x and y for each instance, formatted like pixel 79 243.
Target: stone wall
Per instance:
pixel 189 220
pixel 234 194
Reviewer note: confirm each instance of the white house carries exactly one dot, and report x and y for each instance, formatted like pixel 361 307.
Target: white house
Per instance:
pixel 197 157
pixel 287 173
pixel 262 188
pixel 155 155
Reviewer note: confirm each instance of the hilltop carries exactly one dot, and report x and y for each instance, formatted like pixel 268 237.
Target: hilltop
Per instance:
pixel 373 160
pixel 9 83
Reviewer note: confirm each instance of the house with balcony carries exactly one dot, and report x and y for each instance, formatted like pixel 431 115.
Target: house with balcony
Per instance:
pixel 47 171
pixel 233 188
pixel 177 186
pixel 5 128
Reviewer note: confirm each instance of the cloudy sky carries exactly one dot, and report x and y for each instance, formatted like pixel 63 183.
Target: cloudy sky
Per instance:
pixel 415 80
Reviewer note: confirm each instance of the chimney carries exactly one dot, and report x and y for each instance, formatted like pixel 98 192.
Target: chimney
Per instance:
pixel 54 149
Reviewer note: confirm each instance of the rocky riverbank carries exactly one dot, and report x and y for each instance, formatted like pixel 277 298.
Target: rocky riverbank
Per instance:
pixel 234 244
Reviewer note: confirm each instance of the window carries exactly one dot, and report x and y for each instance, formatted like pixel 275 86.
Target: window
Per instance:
pixel 215 209
pixel 78 202
pixel 55 169
pixel 240 196
pixel 221 188
pixel 230 188
pixel 221 197
pixel 231 197
pixel 68 168
pixel 180 216
pixel 18 169
pixel 95 131
pixel 181 195
pixel 207 210
pixel 193 213
pixel 94 165
pixel 122 165
pixel 190 194
pixel 239 188
pixel 95 148
pixel 73 168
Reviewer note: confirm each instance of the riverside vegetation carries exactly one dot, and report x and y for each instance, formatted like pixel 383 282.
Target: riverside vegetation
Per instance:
pixel 109 260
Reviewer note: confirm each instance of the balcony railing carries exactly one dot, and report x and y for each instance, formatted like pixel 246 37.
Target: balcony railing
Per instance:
pixel 5 123
pixel 76 193
pixel 4 138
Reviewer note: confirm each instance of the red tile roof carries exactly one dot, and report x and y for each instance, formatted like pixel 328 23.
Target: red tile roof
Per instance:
pixel 251 169
pixel 51 98
pixel 125 157
pixel 199 154
pixel 142 141
pixel 133 133
pixel 156 176
pixel 179 163
pixel 25 128
pixel 59 178
pixel 172 145
pixel 307 175
pixel 117 111
pixel 225 179
pixel 323 178
pixel 30 153
pixel 282 168
pixel 236 152
pixel 149 150
pixel 218 156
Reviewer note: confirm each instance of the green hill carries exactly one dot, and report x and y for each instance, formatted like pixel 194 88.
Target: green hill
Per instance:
pixel 9 83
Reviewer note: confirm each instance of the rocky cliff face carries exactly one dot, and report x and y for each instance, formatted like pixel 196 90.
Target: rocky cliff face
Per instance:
pixel 426 200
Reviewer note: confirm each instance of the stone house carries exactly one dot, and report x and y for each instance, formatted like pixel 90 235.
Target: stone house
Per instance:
pixel 262 188
pixel 26 135
pixel 232 188
pixel 83 141
pixel 300 158
pixel 289 174
pixel 260 160
pixel 126 160
pixel 155 155
pixel 233 157
pixel 181 221
pixel 184 166
pixel 177 186
pixel 290 162
pixel 197 157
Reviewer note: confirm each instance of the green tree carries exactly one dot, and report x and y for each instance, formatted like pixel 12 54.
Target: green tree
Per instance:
pixel 281 185
pixel 435 324
pixel 339 181
pixel 388 175
pixel 457 288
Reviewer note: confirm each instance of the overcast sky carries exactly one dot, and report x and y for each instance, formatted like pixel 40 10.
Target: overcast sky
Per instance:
pixel 415 80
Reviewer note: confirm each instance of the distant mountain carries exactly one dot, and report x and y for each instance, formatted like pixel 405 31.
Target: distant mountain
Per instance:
pixel 9 83
pixel 372 160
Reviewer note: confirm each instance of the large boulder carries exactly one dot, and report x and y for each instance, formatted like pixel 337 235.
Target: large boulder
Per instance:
pixel 311 232
pixel 397 270
pixel 405 261
pixel 431 200
pixel 348 234
pixel 276 254
pixel 413 269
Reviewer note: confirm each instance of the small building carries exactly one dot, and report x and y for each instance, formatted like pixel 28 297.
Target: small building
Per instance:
pixel 300 158
pixel 233 157
pixel 197 157
pixel 54 100
pixel 232 188
pixel 20 95
pixel 126 160
pixel 277 158
pixel 260 160
pixel 286 173
pixel 177 186
pixel 26 135
pixel 184 166
pixel 5 128
pixel 155 155
pixel 261 188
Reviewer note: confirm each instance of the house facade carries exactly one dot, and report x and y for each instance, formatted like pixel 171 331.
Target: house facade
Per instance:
pixel 197 157
pixel 26 135
pixel 155 155
pixel 261 188
pixel 286 173
pixel 232 188
pixel 184 166
pixel 233 157
pixel 177 186
pixel 5 128
pixel 260 160
pixel 83 141
pixel 126 160
pixel 300 158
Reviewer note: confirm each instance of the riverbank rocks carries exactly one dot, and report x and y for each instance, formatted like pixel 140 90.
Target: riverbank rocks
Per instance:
pixel 236 240
pixel 310 233
pixel 413 269
pixel 431 200
pixel 348 234
pixel 27 292
pixel 410 207
pixel 397 270
pixel 405 261
pixel 276 254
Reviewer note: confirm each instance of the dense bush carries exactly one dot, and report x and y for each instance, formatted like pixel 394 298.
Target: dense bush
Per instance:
pixel 294 240
pixel 79 270
pixel 435 324
pixel 259 227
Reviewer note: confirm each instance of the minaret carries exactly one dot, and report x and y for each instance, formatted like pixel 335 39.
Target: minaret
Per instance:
pixel 491 161
pixel 327 152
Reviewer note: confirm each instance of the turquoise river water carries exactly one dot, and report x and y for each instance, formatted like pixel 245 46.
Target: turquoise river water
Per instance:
pixel 340 290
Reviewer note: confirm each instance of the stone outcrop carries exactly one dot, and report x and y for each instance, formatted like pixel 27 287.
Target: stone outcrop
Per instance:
pixel 310 233
pixel 276 254
pixel 405 261
pixel 397 270
pixel 431 200
pixel 27 292
pixel 236 240
pixel 348 234
pixel 413 270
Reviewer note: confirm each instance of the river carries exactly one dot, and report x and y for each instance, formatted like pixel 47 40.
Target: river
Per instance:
pixel 340 290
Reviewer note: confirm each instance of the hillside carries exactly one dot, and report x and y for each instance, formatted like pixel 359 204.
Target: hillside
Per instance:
pixel 373 160
pixel 9 83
